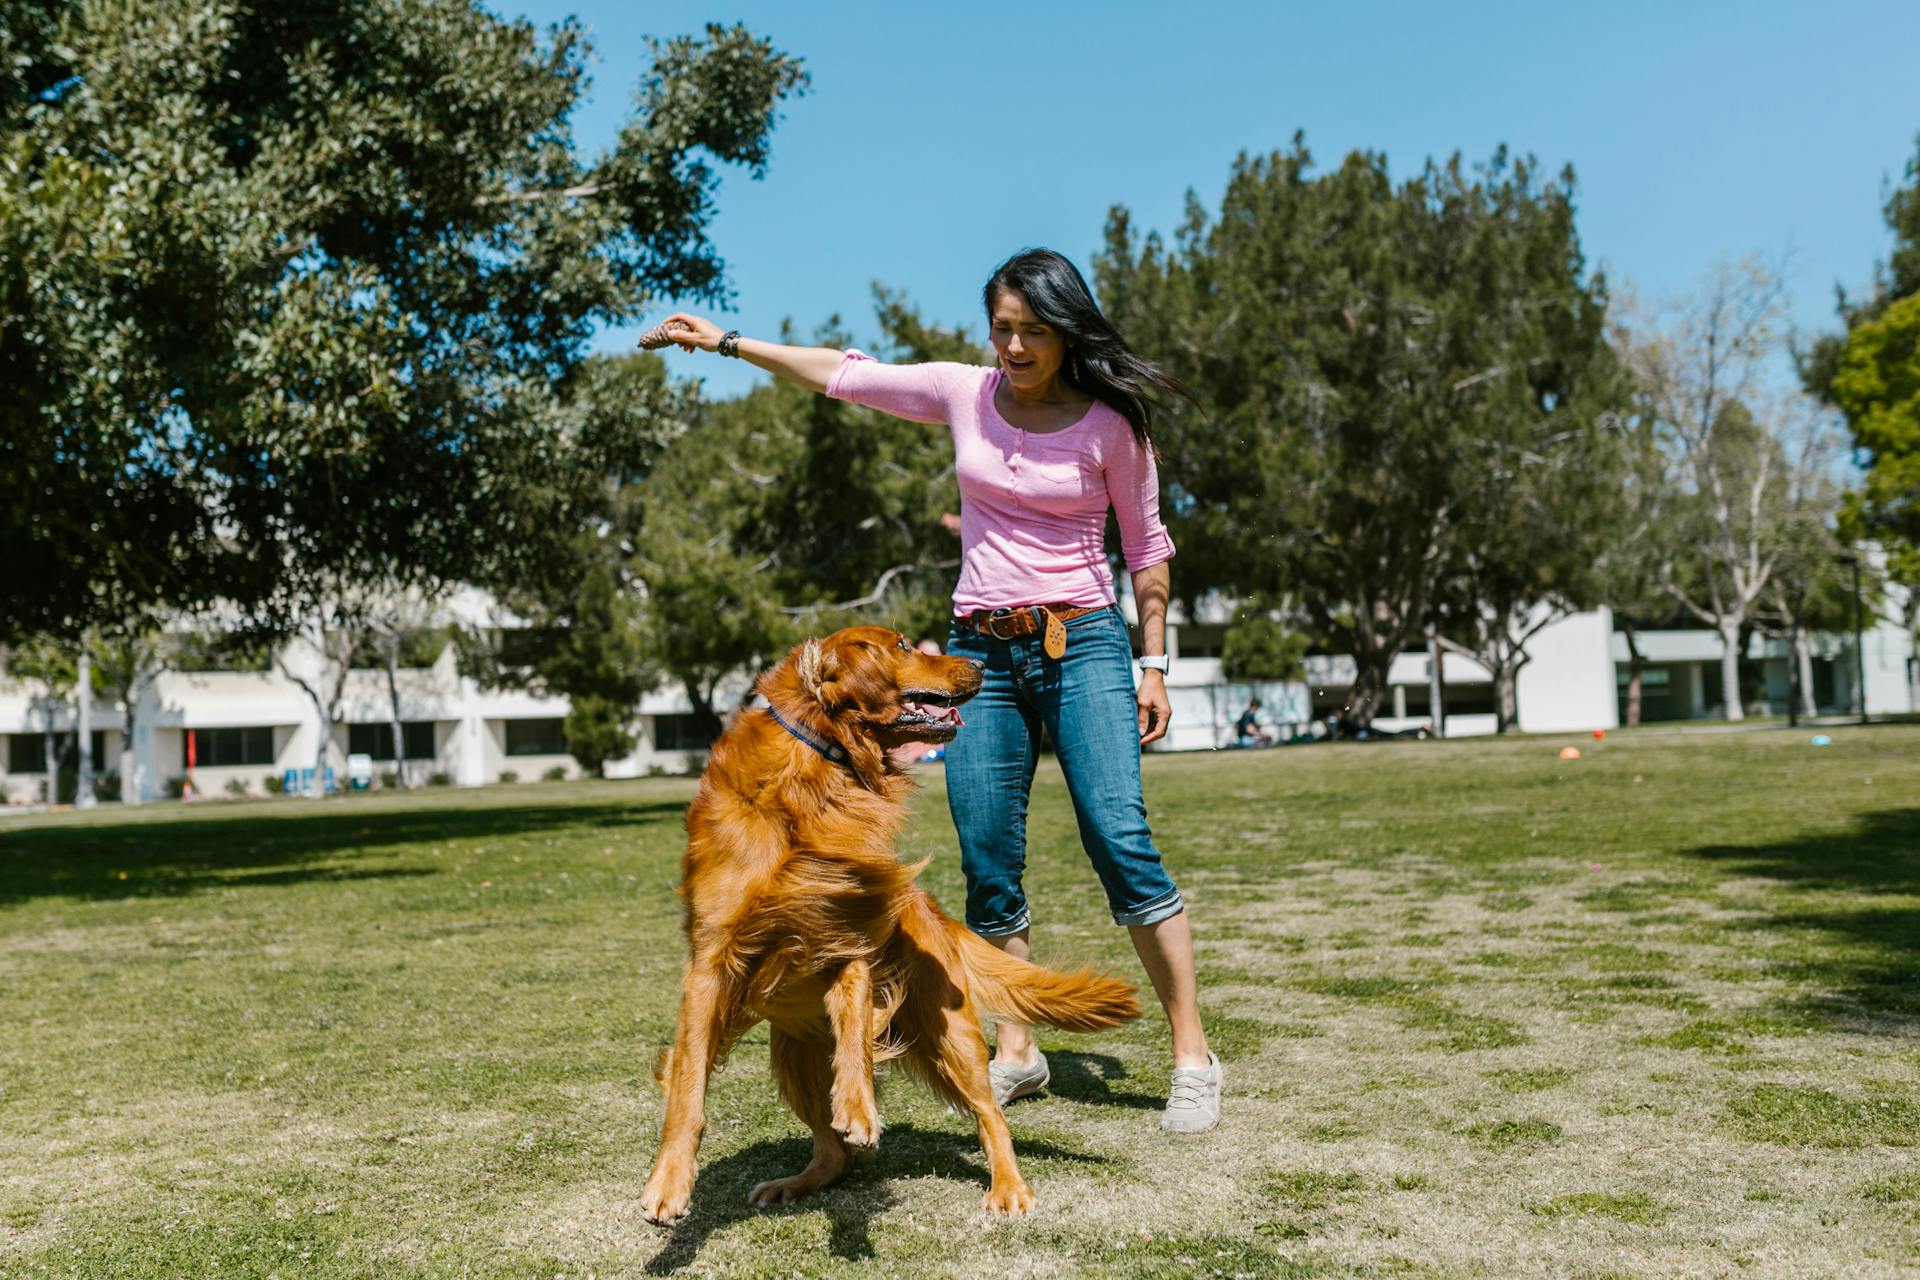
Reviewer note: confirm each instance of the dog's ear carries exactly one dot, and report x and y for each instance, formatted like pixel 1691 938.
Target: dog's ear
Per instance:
pixel 813 667
pixel 819 670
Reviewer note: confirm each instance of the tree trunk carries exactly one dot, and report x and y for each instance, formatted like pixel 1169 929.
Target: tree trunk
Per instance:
pixel 48 751
pixel 702 704
pixel 1506 698
pixel 129 789
pixel 1636 666
pixel 83 797
pixel 1730 670
pixel 1436 683
pixel 393 697
pixel 317 789
pixel 1803 663
pixel 1369 686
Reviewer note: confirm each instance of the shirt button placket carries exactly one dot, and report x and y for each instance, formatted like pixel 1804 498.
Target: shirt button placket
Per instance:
pixel 1013 465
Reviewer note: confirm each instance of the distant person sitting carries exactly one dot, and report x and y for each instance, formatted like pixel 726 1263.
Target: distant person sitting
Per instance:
pixel 1247 730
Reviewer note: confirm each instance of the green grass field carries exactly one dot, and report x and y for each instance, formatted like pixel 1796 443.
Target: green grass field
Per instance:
pixel 1484 1013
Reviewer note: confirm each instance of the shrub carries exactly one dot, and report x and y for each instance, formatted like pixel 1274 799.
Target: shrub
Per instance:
pixel 556 774
pixel 508 775
pixel 106 786
pixel 656 770
pixel 275 784
pixel 175 787
pixel 441 779
pixel 389 779
pixel 238 787
pixel 1259 648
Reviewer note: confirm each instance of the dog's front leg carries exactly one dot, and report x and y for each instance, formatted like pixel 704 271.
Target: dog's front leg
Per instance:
pixel 960 1060
pixel 705 1013
pixel 850 1012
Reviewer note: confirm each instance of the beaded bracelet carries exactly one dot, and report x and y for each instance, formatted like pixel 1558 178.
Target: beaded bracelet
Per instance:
pixel 730 343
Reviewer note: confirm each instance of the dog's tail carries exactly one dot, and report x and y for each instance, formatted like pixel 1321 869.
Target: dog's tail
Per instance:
pixel 1079 1001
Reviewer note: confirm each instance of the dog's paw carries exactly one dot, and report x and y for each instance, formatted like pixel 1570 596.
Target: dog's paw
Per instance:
pixel 1013 1199
pixel 666 1197
pixel 860 1127
pixel 779 1191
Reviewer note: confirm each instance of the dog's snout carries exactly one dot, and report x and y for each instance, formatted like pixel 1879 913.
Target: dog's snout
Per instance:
pixel 976 664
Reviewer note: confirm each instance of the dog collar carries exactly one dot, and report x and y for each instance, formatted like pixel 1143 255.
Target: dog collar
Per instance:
pixel 831 750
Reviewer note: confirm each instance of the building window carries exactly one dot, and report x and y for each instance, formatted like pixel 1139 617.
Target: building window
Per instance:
pixel 226 748
pixel 1200 641
pixel 681 733
pixel 537 737
pixel 1468 699
pixel 26 752
pixel 376 740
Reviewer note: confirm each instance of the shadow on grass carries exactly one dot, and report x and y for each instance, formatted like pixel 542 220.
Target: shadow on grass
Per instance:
pixel 1089 1077
pixel 263 847
pixel 905 1152
pixel 1869 969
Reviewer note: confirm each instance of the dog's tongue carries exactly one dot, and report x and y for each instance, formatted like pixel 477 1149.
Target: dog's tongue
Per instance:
pixel 948 715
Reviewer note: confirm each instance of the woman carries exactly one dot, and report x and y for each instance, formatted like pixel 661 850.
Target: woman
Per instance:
pixel 1044 445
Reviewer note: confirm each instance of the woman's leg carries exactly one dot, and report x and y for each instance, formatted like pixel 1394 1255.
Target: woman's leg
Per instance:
pixel 989 772
pixel 1013 1041
pixel 1166 952
pixel 1089 710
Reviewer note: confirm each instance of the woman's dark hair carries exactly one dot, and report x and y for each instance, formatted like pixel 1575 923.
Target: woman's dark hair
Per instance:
pixel 1099 362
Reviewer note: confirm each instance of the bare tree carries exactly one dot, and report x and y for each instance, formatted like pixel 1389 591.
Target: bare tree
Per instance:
pixel 1740 448
pixel 393 624
pixel 333 625
pixel 47 668
pixel 126 664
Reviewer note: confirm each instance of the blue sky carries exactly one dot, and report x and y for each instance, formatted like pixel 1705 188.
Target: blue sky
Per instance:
pixel 936 140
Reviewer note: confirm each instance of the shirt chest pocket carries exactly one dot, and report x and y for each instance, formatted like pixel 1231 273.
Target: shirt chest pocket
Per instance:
pixel 1059 480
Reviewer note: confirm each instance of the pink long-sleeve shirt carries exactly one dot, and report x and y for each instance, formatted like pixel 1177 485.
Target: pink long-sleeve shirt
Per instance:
pixel 1033 504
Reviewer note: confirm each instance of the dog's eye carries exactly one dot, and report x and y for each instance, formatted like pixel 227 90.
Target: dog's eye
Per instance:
pixel 904 646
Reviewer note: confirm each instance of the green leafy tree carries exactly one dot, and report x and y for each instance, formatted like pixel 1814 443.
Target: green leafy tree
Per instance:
pixel 1260 647
pixel 600 663
pixel 852 525
pixel 294 292
pixel 1373 365
pixel 1871 372
pixel 711 609
pixel 578 627
pixel 783 513
pixel 598 730
pixel 47 669
pixel 1877 386
pixel 1531 551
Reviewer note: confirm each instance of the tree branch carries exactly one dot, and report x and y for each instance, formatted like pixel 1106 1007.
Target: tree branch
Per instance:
pixel 872 597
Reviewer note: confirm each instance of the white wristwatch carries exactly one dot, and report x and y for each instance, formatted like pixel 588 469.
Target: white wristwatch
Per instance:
pixel 1157 662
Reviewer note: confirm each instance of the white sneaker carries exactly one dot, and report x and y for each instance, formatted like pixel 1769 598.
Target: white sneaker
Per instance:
pixel 1011 1081
pixel 1193 1101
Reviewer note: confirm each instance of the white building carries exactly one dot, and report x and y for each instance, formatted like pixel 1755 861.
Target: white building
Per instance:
pixel 240 728
pixel 229 732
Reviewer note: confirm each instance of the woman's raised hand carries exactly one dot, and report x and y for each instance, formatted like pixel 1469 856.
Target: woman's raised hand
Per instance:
pixel 689 332
pixel 808 366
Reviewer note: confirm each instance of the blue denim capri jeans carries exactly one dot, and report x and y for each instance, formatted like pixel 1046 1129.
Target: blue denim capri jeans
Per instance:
pixel 1085 701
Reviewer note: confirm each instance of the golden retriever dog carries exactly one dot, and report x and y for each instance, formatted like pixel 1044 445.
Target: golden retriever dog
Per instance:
pixel 800 913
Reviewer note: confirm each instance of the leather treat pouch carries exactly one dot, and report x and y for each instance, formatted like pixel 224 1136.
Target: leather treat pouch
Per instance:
pixel 1056 639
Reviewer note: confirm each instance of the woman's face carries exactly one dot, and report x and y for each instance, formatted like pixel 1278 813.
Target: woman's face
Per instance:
pixel 1030 350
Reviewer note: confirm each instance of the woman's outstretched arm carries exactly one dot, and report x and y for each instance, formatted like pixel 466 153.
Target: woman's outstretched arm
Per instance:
pixel 808 366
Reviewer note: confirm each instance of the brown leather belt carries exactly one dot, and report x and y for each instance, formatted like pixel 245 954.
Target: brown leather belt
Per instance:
pixel 1022 620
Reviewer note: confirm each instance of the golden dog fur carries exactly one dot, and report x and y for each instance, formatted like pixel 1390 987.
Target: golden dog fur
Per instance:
pixel 800 913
